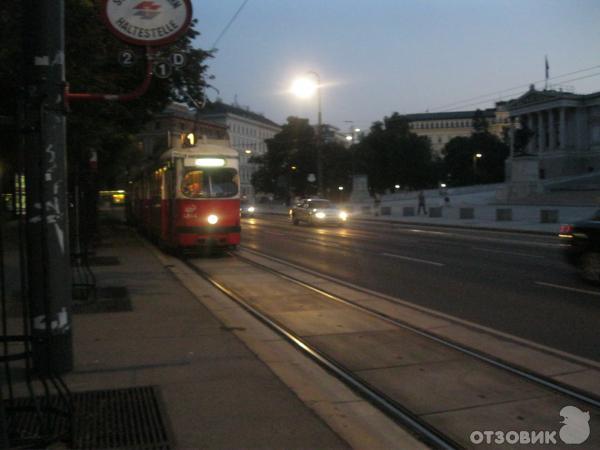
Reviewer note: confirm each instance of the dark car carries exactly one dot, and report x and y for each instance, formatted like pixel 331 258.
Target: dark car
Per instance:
pixel 582 246
pixel 317 211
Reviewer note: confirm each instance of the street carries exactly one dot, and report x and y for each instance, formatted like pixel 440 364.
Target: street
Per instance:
pixel 512 282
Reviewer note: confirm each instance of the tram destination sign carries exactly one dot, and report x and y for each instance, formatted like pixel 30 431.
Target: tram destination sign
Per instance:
pixel 147 22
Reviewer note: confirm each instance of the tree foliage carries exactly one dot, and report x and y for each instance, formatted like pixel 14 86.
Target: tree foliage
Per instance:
pixel 292 155
pixel 480 123
pixel 463 167
pixel 390 154
pixel 91 58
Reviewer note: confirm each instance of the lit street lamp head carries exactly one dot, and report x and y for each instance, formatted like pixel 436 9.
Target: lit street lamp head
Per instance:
pixel 304 87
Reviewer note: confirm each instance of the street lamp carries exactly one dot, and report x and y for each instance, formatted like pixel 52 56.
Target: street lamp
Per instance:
pixel 476 156
pixel 305 88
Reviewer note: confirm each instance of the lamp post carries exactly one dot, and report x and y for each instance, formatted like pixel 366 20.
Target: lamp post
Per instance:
pixel 476 156
pixel 304 88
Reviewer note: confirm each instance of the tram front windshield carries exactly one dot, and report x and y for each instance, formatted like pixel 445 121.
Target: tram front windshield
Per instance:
pixel 210 183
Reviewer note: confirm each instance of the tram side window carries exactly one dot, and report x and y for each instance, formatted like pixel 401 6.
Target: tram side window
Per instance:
pixel 210 183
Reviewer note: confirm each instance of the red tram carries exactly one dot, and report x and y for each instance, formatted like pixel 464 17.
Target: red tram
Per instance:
pixel 190 197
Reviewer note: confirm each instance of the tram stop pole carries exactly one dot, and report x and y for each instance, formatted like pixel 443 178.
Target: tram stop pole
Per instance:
pixel 47 230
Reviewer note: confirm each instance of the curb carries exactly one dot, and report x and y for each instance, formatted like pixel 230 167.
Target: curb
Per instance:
pixel 440 225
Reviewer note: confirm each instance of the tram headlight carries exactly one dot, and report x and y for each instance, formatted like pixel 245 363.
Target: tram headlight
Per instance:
pixel 212 219
pixel 343 215
pixel 320 215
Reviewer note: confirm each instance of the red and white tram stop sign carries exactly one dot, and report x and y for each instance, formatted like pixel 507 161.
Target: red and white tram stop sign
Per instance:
pixel 147 22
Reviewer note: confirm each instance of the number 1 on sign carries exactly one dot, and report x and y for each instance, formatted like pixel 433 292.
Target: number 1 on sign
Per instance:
pixel 162 70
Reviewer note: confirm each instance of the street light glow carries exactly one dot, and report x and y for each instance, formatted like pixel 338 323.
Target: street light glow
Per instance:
pixel 341 188
pixel 304 87
pixel 348 138
pixel 478 155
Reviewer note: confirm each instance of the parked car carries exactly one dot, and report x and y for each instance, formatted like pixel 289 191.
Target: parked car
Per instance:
pixel 582 246
pixel 247 209
pixel 316 211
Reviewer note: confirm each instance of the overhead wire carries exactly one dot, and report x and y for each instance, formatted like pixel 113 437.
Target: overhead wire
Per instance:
pixel 237 13
pixel 489 96
pixel 487 100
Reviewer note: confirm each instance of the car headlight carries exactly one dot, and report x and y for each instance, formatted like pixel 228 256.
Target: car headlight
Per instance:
pixel 320 215
pixel 212 219
pixel 343 215
pixel 251 209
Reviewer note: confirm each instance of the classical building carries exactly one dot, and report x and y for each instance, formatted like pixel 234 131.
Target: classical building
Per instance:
pixel 248 132
pixel 565 130
pixel 441 127
pixel 175 121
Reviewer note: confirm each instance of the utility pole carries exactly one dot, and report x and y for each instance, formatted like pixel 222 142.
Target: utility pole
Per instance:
pixel 44 145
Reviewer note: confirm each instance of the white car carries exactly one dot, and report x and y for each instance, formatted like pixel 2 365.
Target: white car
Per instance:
pixel 247 209
pixel 316 211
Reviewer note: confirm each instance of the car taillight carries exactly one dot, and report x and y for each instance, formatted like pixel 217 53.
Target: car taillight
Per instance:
pixel 566 230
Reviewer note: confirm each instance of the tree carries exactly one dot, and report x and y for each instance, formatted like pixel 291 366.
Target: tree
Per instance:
pixel 480 123
pixel 463 167
pixel 292 156
pixel 91 66
pixel 390 154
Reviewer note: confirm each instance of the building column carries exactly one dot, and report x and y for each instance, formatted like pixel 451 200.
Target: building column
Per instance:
pixel 541 132
pixel 531 144
pixel 551 131
pixel 563 128
pixel 512 137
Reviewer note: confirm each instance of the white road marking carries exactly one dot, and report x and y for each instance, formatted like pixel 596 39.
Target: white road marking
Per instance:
pixel 407 258
pixel 506 253
pixel 567 288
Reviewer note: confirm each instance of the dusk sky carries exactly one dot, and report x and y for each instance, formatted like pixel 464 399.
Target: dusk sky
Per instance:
pixel 380 56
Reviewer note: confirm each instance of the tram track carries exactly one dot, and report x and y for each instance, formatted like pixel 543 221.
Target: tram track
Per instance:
pixel 421 427
pixel 391 408
pixel 489 359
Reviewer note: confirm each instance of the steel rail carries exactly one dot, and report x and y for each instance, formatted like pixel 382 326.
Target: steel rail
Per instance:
pixel 496 362
pixel 390 407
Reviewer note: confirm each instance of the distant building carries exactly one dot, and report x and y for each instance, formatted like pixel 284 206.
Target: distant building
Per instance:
pixel 332 134
pixel 174 122
pixel 248 132
pixel 566 130
pixel 441 127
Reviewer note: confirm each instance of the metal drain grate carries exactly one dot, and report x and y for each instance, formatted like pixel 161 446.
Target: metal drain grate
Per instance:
pixel 113 419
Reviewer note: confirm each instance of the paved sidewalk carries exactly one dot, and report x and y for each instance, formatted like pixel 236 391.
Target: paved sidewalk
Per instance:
pixel 216 392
